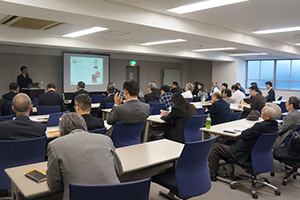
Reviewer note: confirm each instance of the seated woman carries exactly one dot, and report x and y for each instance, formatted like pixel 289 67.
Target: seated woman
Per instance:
pixel 178 117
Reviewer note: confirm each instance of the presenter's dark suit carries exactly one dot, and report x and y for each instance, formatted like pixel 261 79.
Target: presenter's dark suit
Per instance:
pixel 21 128
pixel 9 96
pixel 240 151
pixel 271 95
pixel 93 122
pixel 23 82
pixel 219 112
pixel 256 103
pixel 77 93
pixel 52 98
pixel 109 98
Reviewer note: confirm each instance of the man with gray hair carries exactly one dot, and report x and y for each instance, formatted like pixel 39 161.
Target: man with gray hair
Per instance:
pixel 240 151
pixel 111 89
pixel 21 127
pixel 78 156
pixel 153 94
pixel 188 91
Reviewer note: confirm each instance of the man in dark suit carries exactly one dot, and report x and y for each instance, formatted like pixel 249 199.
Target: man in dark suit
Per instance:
pixel 80 90
pixel 219 109
pixel 152 95
pixel 271 93
pixel 110 98
pixel 21 127
pixel 257 102
pixel 176 88
pixel 83 108
pixel 52 98
pixel 132 111
pixel 24 80
pixel 13 91
pixel 240 151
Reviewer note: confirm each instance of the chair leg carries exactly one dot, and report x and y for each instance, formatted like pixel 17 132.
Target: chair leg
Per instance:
pixel 253 187
pixel 169 195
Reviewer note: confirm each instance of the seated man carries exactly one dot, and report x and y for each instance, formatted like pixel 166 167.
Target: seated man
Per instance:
pixel 290 122
pixel 21 127
pixel 240 151
pixel 152 95
pixel 215 87
pixel 256 103
pixel 226 95
pixel 80 157
pixel 13 91
pixel 80 90
pixel 224 86
pixel 188 91
pixel 83 108
pixel 132 111
pixel 175 87
pixel 237 96
pixel 271 93
pixel 240 87
pixel 109 98
pixel 52 98
pixel 166 97
pixel 219 109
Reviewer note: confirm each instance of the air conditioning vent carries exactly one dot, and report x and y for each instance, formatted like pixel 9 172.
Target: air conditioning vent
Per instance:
pixel 28 23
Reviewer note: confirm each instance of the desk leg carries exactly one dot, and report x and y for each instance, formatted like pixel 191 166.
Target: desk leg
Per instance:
pixel 146 132
pixel 103 116
pixel 14 191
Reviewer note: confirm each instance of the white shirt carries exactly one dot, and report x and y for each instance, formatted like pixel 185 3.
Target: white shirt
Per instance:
pixel 187 94
pixel 215 89
pixel 237 97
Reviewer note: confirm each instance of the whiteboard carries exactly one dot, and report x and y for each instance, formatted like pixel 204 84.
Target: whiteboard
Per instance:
pixel 171 75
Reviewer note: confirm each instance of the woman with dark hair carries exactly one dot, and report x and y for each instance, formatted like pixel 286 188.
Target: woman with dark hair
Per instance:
pixel 196 89
pixel 178 117
pixel 202 94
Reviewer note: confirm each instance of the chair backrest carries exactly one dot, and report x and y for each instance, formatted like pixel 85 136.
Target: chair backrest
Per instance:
pixel 191 130
pixel 135 190
pixel 35 102
pixel 192 174
pixel 9 107
pixel 127 134
pixel 14 153
pixel 99 131
pixel 189 99
pixel 54 118
pixel 43 110
pixel 156 107
pixel 6 118
pixel 208 97
pixel 261 108
pixel 151 110
pixel 109 104
pixel 97 98
pixel 233 116
pixel 200 111
pixel 262 155
pixel 279 99
pixel 282 106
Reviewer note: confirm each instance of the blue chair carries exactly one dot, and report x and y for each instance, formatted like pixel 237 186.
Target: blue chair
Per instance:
pixel 43 110
pixel 6 118
pixel 282 106
pixel 15 153
pixel 191 177
pixel 156 107
pixel 233 116
pixel 99 131
pixel 54 118
pixel 97 98
pixel 208 98
pixel 191 130
pixel 200 111
pixel 127 134
pixel 135 190
pixel 109 104
pixel 35 102
pixel 261 162
pixel 151 110
pixel 189 99
pixel 261 108
pixel 9 108
pixel 280 98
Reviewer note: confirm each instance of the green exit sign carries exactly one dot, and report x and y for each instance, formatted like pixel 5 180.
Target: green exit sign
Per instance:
pixel 132 62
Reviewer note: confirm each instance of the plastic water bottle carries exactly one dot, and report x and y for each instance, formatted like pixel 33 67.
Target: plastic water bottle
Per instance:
pixel 41 84
pixel 203 98
pixel 208 122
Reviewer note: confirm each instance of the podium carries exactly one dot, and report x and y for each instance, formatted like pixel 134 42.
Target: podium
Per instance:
pixel 33 92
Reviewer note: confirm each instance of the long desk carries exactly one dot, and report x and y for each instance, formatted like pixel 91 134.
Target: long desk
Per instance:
pixel 138 161
pixel 94 105
pixel 153 119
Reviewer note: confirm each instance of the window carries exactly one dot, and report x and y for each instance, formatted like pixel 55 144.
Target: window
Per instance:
pixel 260 72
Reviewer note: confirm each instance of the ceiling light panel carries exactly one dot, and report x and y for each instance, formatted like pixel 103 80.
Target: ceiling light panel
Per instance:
pixel 85 32
pixel 279 30
pixel 162 42
pixel 215 49
pixel 248 54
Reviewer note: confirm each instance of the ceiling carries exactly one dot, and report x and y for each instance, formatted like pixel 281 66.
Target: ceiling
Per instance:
pixel 132 22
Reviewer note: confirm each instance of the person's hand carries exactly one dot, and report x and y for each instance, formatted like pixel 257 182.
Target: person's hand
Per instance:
pixel 240 105
pixel 118 99
pixel 206 110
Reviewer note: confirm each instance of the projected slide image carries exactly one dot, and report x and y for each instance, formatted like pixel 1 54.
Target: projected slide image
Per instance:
pixel 86 69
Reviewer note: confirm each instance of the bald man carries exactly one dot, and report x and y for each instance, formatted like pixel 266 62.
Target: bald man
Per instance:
pixel 21 127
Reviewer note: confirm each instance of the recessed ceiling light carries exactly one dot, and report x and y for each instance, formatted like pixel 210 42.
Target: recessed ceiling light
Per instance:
pixel 215 49
pixel 203 5
pixel 248 54
pixel 162 42
pixel 279 30
pixel 85 32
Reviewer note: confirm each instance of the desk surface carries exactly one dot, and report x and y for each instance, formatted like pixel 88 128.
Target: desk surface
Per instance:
pixel 156 119
pixel 39 118
pixel 149 154
pixel 240 125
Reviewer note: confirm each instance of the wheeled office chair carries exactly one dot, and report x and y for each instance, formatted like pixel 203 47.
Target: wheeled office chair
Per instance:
pixel 192 131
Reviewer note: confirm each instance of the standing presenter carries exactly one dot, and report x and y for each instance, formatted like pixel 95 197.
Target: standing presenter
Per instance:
pixel 23 79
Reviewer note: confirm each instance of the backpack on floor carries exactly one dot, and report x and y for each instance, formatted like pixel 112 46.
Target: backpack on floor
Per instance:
pixel 294 144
